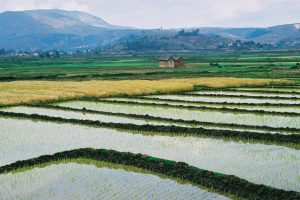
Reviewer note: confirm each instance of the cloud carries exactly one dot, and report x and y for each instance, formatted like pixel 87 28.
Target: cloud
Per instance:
pixel 174 13
pixel 18 5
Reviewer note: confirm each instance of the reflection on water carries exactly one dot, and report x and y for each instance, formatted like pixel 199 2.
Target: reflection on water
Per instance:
pixel 271 165
pixel 282 109
pixel 81 181
pixel 188 114
pixel 80 115
pixel 225 99
pixel 248 94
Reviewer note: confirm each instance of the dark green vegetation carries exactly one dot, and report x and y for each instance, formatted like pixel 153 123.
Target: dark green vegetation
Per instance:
pixel 237 110
pixel 272 65
pixel 191 123
pixel 219 182
pixel 240 96
pixel 273 89
pixel 227 103
pixel 292 140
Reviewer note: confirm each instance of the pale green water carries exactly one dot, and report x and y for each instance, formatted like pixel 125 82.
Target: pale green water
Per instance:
pixel 295 89
pixel 224 99
pixel 81 115
pixel 271 165
pixel 115 119
pixel 186 114
pixel 250 94
pixel 291 109
pixel 78 182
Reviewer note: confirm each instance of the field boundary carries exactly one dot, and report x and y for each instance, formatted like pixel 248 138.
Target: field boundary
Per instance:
pixel 216 103
pixel 220 183
pixel 292 141
pixel 170 120
pixel 262 91
pixel 223 109
pixel 235 96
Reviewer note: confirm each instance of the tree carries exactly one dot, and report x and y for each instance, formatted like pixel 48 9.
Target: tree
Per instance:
pixel 47 55
pixel 2 52
pixel 215 64
pixel 56 54
pixel 41 55
pixel 181 33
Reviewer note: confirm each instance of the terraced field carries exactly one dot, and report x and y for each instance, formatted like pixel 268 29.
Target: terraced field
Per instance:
pixel 200 152
pixel 202 115
pixel 251 135
pixel 67 180
pixel 220 99
pixel 245 94
pixel 82 115
pixel 287 109
pixel 288 90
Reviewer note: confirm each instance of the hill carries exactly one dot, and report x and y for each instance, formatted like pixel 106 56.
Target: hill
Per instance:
pixel 70 30
pixel 170 40
pixel 48 29
pixel 269 35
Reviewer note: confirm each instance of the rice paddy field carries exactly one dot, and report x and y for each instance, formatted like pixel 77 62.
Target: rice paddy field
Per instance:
pixel 204 115
pixel 240 159
pixel 67 180
pixel 219 99
pixel 170 138
pixel 234 106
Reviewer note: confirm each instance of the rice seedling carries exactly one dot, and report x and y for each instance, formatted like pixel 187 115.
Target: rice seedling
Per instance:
pixel 223 131
pixel 118 118
pixel 82 181
pixel 81 115
pixel 242 107
pixel 287 90
pixel 225 184
pixel 189 114
pixel 224 99
pixel 246 94
pixel 275 166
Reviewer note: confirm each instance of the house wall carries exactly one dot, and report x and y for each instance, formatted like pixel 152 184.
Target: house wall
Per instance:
pixel 164 64
pixel 171 63
pixel 179 63
pixel 167 64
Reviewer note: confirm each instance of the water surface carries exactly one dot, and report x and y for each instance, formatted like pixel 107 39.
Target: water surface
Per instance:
pixel 80 181
pixel 204 115
pixel 271 165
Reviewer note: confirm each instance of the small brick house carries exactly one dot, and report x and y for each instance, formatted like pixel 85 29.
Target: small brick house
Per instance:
pixel 171 62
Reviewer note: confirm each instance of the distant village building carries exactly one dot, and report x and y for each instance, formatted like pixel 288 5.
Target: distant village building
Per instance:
pixel 171 62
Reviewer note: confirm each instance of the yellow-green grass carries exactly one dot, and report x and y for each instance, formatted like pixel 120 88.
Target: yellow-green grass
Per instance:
pixel 27 92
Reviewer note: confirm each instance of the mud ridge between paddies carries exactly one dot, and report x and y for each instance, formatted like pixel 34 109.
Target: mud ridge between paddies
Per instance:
pixel 286 140
pixel 219 182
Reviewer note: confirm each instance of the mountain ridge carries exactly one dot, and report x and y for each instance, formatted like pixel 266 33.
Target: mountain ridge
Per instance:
pixel 61 29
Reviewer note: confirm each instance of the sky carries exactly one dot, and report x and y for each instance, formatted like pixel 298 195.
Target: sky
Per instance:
pixel 174 13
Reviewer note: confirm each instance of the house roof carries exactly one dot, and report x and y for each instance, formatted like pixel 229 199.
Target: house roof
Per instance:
pixel 165 58
pixel 177 58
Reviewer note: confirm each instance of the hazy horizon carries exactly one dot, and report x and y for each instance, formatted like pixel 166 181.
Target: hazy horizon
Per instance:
pixel 174 13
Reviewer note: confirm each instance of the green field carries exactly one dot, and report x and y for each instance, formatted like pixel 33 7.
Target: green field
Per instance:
pixel 85 67
pixel 118 126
